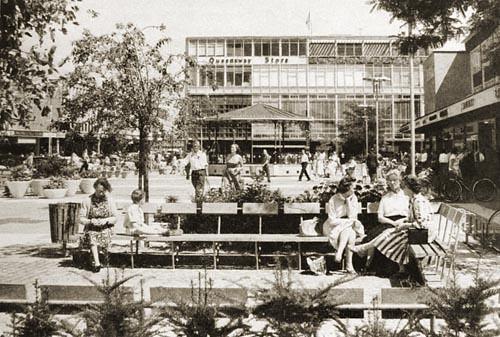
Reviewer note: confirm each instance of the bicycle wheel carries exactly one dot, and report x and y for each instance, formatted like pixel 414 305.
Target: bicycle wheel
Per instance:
pixel 492 232
pixel 484 190
pixel 452 190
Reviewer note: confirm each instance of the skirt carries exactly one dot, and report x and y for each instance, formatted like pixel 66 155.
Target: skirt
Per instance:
pixel 96 238
pixel 393 245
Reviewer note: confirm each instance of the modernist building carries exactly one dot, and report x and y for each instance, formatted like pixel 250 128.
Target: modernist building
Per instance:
pixel 320 77
pixel 462 96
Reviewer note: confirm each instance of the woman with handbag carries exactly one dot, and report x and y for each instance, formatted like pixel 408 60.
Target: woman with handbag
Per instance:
pixel 393 242
pixel 98 215
pixel 342 226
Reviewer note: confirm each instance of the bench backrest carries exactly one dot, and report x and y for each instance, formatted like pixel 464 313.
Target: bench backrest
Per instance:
pixel 451 220
pixel 178 209
pixel 260 209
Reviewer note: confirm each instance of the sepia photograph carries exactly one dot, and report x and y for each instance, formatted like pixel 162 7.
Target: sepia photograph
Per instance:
pixel 238 168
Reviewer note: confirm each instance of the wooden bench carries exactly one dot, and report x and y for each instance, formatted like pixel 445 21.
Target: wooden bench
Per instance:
pixel 435 260
pixel 220 210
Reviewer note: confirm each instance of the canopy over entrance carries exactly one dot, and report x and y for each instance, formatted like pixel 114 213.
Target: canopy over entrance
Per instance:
pixel 261 113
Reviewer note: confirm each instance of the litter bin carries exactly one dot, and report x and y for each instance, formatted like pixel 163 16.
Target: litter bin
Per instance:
pixel 64 221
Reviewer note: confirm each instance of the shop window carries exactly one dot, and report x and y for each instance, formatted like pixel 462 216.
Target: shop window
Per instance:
pixel 285 48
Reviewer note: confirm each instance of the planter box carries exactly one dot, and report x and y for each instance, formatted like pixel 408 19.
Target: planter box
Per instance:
pixel 18 189
pixel 72 186
pixel 37 186
pixel 87 185
pixel 57 193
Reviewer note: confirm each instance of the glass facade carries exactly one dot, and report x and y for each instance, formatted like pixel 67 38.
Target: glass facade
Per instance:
pixel 483 75
pixel 322 79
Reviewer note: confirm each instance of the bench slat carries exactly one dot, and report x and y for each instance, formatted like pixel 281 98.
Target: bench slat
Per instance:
pixel 438 250
pixel 225 238
pixel 417 251
pixel 178 208
pixel 302 208
pixel 260 208
pixel 219 208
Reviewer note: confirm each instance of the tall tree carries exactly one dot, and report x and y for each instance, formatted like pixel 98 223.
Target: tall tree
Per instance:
pixel 358 121
pixel 430 24
pixel 27 71
pixel 121 83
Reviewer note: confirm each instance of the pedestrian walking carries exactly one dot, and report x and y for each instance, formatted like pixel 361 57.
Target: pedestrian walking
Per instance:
pixel 197 161
pixel 266 158
pixel 304 161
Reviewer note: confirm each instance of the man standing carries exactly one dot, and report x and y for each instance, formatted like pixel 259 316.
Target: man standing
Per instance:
pixel 443 164
pixel 197 160
pixel 266 158
pixel 372 164
pixel 304 161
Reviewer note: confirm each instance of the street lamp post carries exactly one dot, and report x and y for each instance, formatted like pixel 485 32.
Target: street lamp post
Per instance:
pixel 365 117
pixel 376 82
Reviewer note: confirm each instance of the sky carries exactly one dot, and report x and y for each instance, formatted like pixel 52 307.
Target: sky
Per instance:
pixel 185 18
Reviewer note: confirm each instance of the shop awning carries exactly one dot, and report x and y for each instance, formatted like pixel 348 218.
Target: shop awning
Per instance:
pixel 259 112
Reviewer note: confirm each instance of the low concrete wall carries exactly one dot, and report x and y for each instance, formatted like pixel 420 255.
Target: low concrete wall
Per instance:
pixel 276 170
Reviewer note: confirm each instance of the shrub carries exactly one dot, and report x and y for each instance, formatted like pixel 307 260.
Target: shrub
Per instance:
pixel 20 173
pixel 52 166
pixel 37 319
pixel 69 172
pixel 296 312
pixel 200 317
pixel 55 183
pixel 464 309
pixel 118 315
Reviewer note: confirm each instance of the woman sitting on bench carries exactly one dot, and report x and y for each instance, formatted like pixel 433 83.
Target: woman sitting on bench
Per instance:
pixel 393 242
pixel 342 226
pixel 134 218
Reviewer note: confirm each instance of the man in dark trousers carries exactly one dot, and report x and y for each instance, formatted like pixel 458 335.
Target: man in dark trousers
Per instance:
pixel 265 164
pixel 372 164
pixel 304 161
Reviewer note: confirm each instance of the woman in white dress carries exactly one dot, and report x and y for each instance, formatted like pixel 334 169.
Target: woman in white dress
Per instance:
pixel 320 165
pixel 342 226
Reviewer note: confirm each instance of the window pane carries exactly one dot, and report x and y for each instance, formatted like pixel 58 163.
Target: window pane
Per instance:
pixel 285 48
pixel 230 47
pixel 247 76
pixel 302 48
pixel 275 50
pixel 192 47
pixel 266 48
pixel 357 49
pixel 257 48
pixel 273 78
pixel 238 77
pixel 202 48
pixel 301 77
pixel 341 49
pixel 284 77
pixel 211 48
pixel 219 77
pixel 219 48
pixel 238 48
pixel 294 48
pixel 230 77
pixel 248 48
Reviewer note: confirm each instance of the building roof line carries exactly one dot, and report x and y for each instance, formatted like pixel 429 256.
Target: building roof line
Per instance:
pixel 308 37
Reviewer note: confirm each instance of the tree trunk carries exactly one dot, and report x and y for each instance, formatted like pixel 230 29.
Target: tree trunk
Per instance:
pixel 142 140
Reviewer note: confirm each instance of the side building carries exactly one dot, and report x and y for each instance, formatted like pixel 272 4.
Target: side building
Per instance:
pixel 322 77
pixel 462 93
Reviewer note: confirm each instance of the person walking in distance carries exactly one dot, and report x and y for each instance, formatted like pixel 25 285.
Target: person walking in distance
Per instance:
pixel 197 160
pixel 265 164
pixel 304 161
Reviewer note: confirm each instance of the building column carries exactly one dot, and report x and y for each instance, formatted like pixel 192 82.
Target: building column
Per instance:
pixel 57 146
pixel 50 145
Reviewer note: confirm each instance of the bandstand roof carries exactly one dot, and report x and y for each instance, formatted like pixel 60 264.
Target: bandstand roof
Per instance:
pixel 259 112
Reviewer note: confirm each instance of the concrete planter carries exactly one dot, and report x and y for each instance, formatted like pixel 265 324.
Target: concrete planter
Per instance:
pixel 72 186
pixel 124 174
pixel 87 185
pixel 57 193
pixel 37 186
pixel 109 174
pixel 18 189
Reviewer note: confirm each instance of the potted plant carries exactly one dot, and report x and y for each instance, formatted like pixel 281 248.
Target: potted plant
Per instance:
pixel 43 170
pixel 19 182
pixel 124 171
pixel 71 178
pixel 88 179
pixel 55 189
pixel 110 172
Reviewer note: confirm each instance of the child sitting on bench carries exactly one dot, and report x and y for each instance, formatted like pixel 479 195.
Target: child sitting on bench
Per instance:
pixel 134 218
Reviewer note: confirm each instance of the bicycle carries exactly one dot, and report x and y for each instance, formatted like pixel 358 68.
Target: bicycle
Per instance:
pixel 483 189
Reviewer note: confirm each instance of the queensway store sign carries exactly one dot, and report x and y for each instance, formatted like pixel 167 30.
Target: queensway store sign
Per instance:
pixel 253 60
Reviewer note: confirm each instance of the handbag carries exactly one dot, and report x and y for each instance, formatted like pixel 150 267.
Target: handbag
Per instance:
pixel 308 227
pixel 417 236
pixel 317 265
